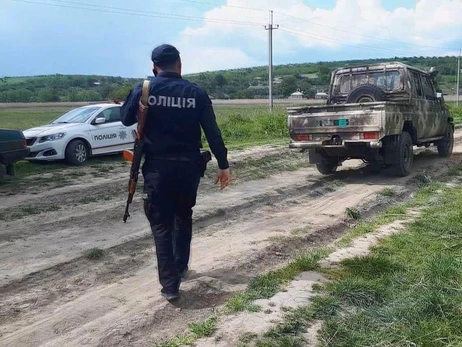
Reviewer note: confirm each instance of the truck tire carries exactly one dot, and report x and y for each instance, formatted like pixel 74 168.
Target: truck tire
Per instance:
pixel 446 145
pixel 10 170
pixel 327 168
pixel 366 93
pixel 405 155
pixel 77 152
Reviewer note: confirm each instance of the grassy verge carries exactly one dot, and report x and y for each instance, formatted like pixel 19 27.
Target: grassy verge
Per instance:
pixel 261 287
pixel 406 292
pixel 240 126
pixel 267 285
pixel 456 112
pixel 396 211
pixel 196 331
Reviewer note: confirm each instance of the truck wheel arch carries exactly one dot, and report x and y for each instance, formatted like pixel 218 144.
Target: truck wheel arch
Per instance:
pixel 411 129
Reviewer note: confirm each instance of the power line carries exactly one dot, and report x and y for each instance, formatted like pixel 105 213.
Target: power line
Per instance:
pixel 108 9
pixel 325 38
pixel 230 6
pixel 357 34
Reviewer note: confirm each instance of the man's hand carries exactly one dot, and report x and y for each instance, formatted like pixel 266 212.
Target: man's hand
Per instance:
pixel 223 176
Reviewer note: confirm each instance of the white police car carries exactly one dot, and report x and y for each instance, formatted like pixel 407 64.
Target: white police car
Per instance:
pixel 80 133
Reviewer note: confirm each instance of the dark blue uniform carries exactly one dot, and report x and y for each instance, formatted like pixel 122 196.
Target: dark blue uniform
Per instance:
pixel 177 111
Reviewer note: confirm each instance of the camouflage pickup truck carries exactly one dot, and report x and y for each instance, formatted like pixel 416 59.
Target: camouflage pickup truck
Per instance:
pixel 13 147
pixel 376 113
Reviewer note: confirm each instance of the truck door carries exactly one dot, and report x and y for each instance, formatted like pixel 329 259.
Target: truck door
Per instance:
pixel 435 122
pixel 420 117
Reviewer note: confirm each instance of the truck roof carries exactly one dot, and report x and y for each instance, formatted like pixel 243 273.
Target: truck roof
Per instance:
pixel 378 66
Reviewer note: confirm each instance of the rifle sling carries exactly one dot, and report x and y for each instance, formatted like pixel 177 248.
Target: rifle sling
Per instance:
pixel 145 93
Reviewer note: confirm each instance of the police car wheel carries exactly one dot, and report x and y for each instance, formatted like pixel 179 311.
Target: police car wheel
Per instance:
pixel 77 152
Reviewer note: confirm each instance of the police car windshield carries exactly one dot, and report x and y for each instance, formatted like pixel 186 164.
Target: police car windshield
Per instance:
pixel 79 115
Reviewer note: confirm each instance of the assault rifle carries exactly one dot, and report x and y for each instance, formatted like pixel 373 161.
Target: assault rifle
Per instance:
pixel 137 153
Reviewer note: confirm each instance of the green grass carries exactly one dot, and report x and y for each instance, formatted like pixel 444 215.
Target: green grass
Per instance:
pixel 353 213
pixel 22 118
pixel 267 285
pixel 406 292
pixel 94 254
pixel 26 210
pixel 205 328
pixel 387 192
pixel 196 331
pixel 456 112
pixel 240 126
pixel 392 213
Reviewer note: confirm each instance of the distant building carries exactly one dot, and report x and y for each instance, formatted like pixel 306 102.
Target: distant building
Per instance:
pixel 296 95
pixel 321 95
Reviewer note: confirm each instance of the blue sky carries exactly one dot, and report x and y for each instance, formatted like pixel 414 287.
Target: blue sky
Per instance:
pixel 116 37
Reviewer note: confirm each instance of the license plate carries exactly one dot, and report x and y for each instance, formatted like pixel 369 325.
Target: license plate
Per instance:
pixel 342 122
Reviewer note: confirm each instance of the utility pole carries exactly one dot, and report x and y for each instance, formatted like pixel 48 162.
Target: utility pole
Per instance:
pixel 270 29
pixel 458 78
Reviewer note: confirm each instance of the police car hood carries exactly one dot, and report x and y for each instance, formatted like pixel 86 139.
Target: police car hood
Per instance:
pixel 50 129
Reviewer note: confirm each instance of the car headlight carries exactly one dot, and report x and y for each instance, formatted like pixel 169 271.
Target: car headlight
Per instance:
pixel 52 137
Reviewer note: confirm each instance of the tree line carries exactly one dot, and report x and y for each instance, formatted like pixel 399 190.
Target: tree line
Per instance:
pixel 245 83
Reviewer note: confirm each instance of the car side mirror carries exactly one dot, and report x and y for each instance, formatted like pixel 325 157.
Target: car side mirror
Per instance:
pixel 100 120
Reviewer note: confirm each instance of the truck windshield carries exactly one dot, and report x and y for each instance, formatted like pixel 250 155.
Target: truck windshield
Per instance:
pixel 78 115
pixel 389 80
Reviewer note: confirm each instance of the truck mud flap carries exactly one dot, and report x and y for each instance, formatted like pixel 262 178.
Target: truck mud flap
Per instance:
pixel 390 153
pixel 314 157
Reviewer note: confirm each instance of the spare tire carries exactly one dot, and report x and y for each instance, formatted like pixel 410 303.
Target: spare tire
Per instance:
pixel 366 93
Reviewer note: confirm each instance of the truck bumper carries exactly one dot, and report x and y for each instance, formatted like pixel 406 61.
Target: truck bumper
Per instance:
pixel 343 145
pixel 11 157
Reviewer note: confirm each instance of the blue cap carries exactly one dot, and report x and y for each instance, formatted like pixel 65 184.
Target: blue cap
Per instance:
pixel 164 54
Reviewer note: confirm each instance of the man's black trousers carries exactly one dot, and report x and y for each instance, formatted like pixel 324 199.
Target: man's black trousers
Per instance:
pixel 171 187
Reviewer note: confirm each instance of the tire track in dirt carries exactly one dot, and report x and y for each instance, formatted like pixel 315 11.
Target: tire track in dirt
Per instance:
pixel 130 312
pixel 77 228
pixel 222 250
pixel 37 245
pixel 114 179
pixel 133 254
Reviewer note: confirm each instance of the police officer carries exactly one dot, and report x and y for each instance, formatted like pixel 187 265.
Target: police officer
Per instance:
pixel 177 109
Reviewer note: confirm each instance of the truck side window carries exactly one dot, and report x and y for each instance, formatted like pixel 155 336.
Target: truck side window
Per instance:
pixel 417 84
pixel 428 88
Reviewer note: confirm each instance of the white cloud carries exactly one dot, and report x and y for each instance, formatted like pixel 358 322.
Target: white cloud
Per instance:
pixel 434 24
pixel 200 59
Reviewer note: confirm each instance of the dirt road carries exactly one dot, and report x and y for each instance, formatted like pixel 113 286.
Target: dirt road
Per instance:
pixel 51 294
